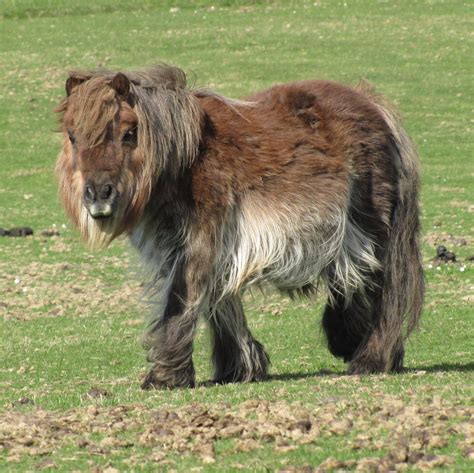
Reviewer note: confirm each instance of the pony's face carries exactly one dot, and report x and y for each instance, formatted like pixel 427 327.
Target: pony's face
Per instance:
pixel 100 166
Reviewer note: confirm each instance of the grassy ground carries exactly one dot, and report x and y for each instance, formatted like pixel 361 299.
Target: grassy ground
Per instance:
pixel 71 320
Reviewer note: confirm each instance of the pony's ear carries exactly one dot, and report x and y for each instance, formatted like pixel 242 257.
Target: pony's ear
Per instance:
pixel 121 84
pixel 74 80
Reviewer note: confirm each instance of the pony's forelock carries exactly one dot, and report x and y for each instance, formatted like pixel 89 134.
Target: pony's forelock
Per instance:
pixel 169 124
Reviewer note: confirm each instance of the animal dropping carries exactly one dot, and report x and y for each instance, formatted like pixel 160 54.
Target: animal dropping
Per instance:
pixel 305 185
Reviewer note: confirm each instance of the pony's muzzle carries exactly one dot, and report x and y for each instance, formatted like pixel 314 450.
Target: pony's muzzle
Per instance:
pixel 99 199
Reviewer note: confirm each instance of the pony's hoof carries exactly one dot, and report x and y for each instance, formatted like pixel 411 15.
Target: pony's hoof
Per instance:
pixel 365 367
pixel 158 379
pixel 150 382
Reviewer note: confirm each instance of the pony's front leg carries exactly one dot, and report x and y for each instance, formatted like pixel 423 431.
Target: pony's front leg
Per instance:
pixel 171 354
pixel 170 339
pixel 236 355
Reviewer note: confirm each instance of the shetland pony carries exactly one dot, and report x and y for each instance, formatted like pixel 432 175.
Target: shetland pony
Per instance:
pixel 303 185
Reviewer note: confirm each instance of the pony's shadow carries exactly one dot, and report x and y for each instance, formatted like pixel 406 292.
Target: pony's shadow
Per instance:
pixel 297 376
pixel 438 368
pixel 443 367
pixel 282 377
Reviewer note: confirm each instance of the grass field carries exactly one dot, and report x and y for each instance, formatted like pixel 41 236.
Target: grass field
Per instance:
pixel 71 319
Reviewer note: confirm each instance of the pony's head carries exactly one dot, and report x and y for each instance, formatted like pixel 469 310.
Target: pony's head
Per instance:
pixel 122 131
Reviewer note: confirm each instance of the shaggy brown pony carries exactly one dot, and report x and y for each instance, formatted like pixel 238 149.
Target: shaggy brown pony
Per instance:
pixel 304 183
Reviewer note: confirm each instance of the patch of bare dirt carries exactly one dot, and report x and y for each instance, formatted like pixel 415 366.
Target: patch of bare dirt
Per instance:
pixel 52 290
pixel 400 435
pixel 438 238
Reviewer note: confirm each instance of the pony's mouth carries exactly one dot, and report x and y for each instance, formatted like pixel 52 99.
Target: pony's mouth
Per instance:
pixel 100 211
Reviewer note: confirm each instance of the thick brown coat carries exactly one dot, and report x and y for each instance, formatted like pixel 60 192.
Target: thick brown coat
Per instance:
pixel 300 184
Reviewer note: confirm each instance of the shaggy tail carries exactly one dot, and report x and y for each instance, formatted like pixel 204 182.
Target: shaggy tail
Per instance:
pixel 398 305
pixel 400 301
pixel 369 330
pixel 403 284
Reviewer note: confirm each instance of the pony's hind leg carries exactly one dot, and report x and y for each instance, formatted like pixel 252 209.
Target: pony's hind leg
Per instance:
pixel 377 354
pixel 236 355
pixel 382 349
pixel 398 355
pixel 357 333
pixel 345 325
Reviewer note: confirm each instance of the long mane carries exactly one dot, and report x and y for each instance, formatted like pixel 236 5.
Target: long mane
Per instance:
pixel 169 133
pixel 169 118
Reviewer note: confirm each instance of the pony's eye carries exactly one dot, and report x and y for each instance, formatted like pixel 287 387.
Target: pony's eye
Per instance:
pixel 72 138
pixel 130 137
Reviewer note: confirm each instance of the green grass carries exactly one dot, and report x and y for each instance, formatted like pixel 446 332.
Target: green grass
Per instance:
pixel 72 322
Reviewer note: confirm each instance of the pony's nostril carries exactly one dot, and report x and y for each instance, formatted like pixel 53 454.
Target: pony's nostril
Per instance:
pixel 106 191
pixel 89 194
